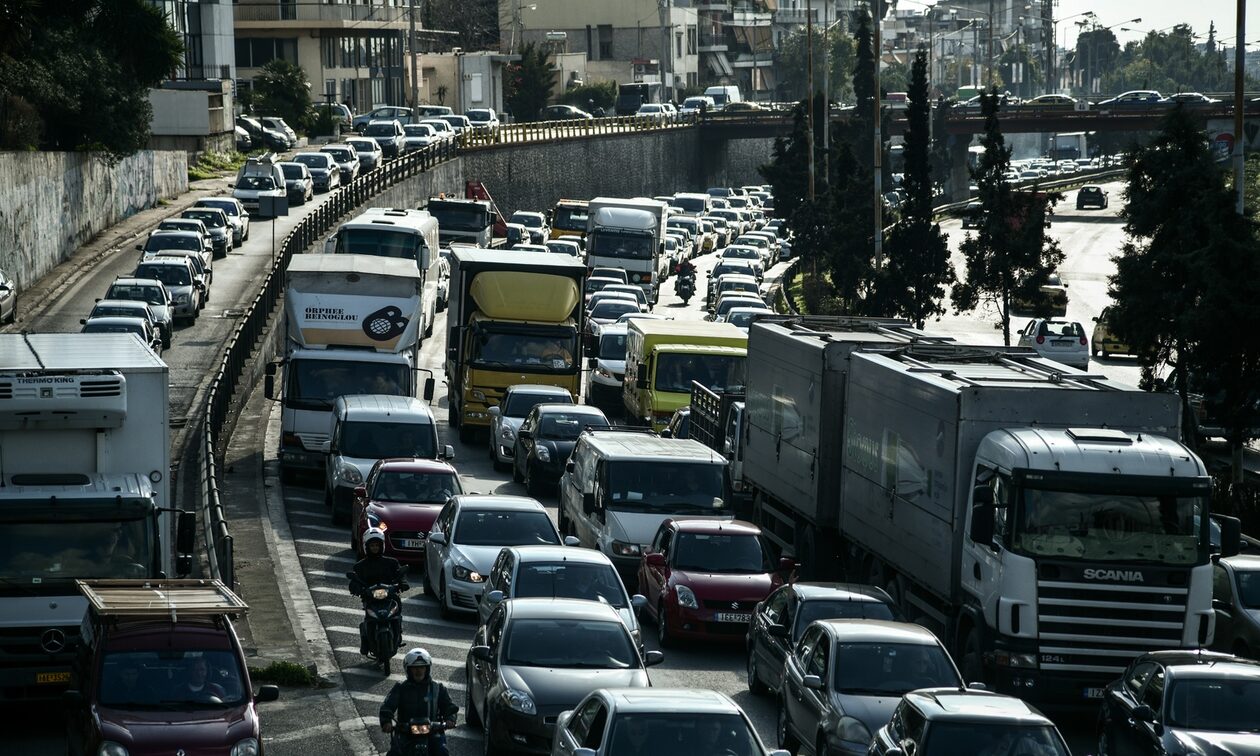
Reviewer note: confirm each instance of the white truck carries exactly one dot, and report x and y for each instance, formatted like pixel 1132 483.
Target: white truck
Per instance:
pixel 85 457
pixel 628 234
pixel 1043 521
pixel 403 235
pixel 352 326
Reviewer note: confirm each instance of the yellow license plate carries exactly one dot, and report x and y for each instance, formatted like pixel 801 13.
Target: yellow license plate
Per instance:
pixel 42 678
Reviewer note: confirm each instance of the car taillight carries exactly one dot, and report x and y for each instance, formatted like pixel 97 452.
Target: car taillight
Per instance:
pixel 1041 339
pixel 1084 341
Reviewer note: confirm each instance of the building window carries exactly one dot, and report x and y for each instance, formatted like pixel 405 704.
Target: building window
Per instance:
pixel 605 42
pixel 678 43
pixel 328 51
pixel 691 40
pixel 256 52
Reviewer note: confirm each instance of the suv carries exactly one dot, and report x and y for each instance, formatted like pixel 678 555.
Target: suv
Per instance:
pixel 1091 196
pixel 388 135
pixel 160 668
pixel 951 721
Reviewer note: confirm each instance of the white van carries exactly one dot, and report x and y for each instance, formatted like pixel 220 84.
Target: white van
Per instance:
pixel 620 485
pixel 259 177
pixel 723 95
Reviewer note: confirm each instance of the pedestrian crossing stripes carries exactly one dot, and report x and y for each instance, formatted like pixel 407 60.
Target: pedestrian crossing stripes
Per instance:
pixel 466 627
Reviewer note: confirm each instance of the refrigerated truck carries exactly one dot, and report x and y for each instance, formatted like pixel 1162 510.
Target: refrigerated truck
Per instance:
pixel 1044 521
pixel 85 463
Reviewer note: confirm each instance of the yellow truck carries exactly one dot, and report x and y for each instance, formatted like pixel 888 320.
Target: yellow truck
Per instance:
pixel 568 218
pixel 514 317
pixel 663 357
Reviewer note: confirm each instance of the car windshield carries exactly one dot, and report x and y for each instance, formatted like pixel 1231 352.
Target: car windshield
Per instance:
pixel 379 242
pixel 292 171
pixel 316 384
pixel 681 734
pixel 1055 329
pixel 612 346
pixel 611 309
pixel 171 275
pixel 379 440
pixel 40 552
pixel 171 679
pixel 528 220
pixel 415 487
pixel 607 243
pixel 666 488
pixel 519 403
pixel 460 217
pixel 720 372
pixel 149 294
pixel 178 225
pixel 231 208
pixel 212 220
pixel 439 125
pixel 135 328
pixel 1220 705
pixel 567 426
pixel 721 553
pixel 172 241
pixel 340 154
pixel 569 644
pixel 312 161
pixel 523 350
pixel 595 285
pixel 570 218
pixel 993 739
pixel 418 130
pixel 119 311
pixel 1248 588
pixel 730 303
pixel 256 183
pixel 744 318
pixel 817 609
pixel 741 253
pixel 363 146
pixel 504 528
pixel 478 115
pixel 891 669
pixel 574 580
pixel 380 129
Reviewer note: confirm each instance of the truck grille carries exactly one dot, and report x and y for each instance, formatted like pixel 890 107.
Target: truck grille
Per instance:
pixel 1099 627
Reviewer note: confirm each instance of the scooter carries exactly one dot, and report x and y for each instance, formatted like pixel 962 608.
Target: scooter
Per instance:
pixel 382 611
pixel 415 736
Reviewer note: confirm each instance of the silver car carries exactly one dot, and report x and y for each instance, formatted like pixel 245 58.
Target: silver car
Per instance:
pixel 347 160
pixel 370 155
pixel 236 216
pixel 8 298
pixel 154 294
pixel 1236 598
pixel 180 279
pixel 506 419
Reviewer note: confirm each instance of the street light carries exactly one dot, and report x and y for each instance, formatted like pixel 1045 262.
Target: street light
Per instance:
pixel 1055 65
pixel 989 21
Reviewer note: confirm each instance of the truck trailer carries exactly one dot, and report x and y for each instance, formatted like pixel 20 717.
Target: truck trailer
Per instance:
pixel 85 463
pixel 1043 521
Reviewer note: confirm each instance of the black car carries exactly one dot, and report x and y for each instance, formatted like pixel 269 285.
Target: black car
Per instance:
pixel 777 622
pixel 1183 702
pixel 546 439
pixel 261 136
pixel 1091 196
pixel 563 113
pixel 972 214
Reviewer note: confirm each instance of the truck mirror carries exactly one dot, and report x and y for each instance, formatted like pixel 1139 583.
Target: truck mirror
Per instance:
pixel 429 386
pixel 269 386
pixel 270 369
pixel 1231 534
pixel 982 524
pixel 185 536
pixel 982 496
pixel 588 502
pixel 592 362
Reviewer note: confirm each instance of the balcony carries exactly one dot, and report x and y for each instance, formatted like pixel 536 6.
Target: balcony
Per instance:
pixel 750 18
pixel 795 16
pixel 262 14
pixel 711 43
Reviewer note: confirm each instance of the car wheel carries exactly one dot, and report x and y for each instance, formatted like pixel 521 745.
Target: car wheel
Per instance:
pixel 664 636
pixel 755 685
pixel 783 732
pixel 486 747
pixel 443 607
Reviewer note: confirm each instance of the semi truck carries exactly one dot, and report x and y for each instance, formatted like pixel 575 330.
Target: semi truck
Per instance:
pixel 628 234
pixel 513 317
pixel 351 326
pixel 1043 521
pixel 85 455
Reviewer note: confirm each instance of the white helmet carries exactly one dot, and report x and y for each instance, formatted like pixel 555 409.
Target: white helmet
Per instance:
pixel 374 534
pixel 417 657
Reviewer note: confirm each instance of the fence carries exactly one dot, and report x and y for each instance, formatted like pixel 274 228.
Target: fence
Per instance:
pixel 252 326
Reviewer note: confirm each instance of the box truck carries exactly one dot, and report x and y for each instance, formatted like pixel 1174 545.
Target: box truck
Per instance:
pixel 628 234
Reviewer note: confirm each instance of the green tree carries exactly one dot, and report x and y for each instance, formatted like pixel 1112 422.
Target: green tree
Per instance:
pixel 528 83
pixel 603 94
pixel 1170 62
pixel 282 89
pixel 918 269
pixel 894 77
pixel 791 63
pixel 1010 257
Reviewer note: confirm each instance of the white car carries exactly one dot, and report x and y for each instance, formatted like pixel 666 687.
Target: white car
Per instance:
pixel 467 537
pixel 1059 340
pixel 653 112
pixel 443 129
pixel 565 247
pixel 417 136
pixel 743 316
pixel 693 105
pixel 610 366
pixel 483 120
pixel 507 416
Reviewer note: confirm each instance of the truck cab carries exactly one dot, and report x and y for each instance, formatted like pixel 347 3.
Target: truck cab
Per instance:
pixel 468 221
pixel 628 234
pixel 664 358
pixel 160 670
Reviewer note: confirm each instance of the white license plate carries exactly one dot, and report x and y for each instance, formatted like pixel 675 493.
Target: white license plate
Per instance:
pixel 1061 342
pixel 732 617
pixel 1093 693
pixel 411 543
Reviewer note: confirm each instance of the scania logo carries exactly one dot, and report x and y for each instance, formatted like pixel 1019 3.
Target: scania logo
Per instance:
pixel 53 641
pixel 1123 576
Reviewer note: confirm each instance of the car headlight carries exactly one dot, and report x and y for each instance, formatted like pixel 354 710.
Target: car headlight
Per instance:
pixel 507 434
pixel 621 548
pixel 380 594
pixel 375 521
pixel 181 299
pixel 348 473
pixel 518 700
pixel 853 731
pixel 687 597
pixel 478 395
pixel 110 748
pixel 467 574
pixel 543 454
pixel 246 747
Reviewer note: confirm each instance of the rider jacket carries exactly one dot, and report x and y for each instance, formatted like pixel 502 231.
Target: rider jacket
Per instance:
pixel 372 570
pixel 418 700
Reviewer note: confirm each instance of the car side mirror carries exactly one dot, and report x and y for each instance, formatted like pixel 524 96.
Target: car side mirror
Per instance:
pixel 655 559
pixel 140 247
pixel 894 751
pixel 777 631
pixel 448 452
pixel 1143 713
pixel 269 385
pixel 652 658
pixel 666 433
pixel 495 597
pixel 493 411
pixel 977 686
pixel 588 502
pixel 568 466
pixel 267 693
pixel 438 538
pixel 360 492
pixel 638 601
pixel 572 541
pixel 482 653
pixel 813 682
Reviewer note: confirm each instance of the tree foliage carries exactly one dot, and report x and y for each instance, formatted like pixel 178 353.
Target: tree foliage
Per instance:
pixel 791 63
pixel 77 73
pixel 1010 257
pixel 528 83
pixel 281 88
pixel 1170 62
pixel 603 94
pixel 475 22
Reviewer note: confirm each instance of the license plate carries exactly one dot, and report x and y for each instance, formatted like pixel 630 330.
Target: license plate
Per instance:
pixel 1061 342
pixel 44 678
pixel 412 543
pixel 732 617
pixel 1093 693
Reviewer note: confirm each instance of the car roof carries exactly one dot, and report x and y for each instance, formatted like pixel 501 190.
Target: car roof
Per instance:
pixel 672 700
pixel 561 608
pixel 1234 668
pixel 1243 561
pixel 569 409
pixel 967 705
pixel 176 232
pixel 539 389
pixel 1186 657
pixel 118 320
pixel 180 261
pixel 134 303
pixel 647 446
pixel 492 503
pixel 134 281
pixel 878 631
pixel 385 407
pixel 549 553
pixel 407 464
pixel 716 527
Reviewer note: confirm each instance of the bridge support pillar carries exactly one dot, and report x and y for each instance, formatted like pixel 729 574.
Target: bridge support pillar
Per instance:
pixel 956 185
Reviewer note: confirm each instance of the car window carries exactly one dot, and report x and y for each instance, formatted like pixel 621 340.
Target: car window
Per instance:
pixel 504 528
pixel 580 724
pixel 776 604
pixel 664 537
pixel 819 659
pixel 1221 589
pixel 806 645
pixel 1153 693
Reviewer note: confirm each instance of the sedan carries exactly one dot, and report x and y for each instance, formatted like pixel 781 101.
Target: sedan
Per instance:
pixel 154 295
pixel 546 439
pixel 369 152
pixel 1138 98
pixel 1236 599
pixel 325 175
pixel 780 620
pixel 608 311
pixel 843 679
pixel 347 160
pixel 216 224
pixel 418 136
pixel 235 213
pixel 139 326
pixel 507 416
pixel 402 497
pixel 467 537
pixel 564 247
pixel 535 658
pixel 702 578
pixel 299 182
pixel 1091 196
pixel 1059 340
pixel 563 113
pixel 1104 339
pixel 180 280
pixel 388 135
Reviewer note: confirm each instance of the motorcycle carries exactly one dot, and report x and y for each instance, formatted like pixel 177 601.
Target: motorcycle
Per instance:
pixel 415 736
pixel 685 286
pixel 382 611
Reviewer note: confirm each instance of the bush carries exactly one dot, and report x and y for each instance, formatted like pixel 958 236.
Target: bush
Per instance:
pixel 214 164
pixel 284 673
pixel 603 93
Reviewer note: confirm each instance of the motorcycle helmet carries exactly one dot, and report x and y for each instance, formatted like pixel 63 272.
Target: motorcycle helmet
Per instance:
pixel 374 534
pixel 417 657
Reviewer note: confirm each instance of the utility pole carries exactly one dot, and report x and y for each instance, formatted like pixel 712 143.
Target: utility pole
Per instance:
pixel 1240 53
pixel 666 50
pixel 826 93
pixel 415 61
pixel 878 44
pixel 809 99
pixel 988 64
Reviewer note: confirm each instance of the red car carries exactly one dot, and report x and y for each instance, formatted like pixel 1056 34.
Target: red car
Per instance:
pixel 403 498
pixel 702 578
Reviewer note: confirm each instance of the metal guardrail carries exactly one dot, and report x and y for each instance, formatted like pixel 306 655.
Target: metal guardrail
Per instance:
pixel 253 326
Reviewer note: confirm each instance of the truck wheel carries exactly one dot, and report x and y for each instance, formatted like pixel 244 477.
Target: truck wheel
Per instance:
pixel 972 659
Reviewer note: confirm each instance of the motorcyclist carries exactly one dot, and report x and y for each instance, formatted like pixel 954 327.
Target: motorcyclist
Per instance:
pixel 418 697
pixel 685 269
pixel 375 569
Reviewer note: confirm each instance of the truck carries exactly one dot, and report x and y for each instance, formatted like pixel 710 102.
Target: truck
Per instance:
pixel 470 221
pixel 631 96
pixel 569 217
pixel 1041 520
pixel 401 234
pixel 351 326
pixel 628 234
pixel 85 454
pixel 513 317
pixel 717 421
pixel 664 358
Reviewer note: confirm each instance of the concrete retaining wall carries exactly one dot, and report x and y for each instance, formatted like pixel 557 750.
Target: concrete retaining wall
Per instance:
pixel 53 202
pixel 415 192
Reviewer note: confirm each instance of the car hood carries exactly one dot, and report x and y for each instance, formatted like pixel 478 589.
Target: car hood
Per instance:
pixel 1212 743
pixel 721 587
pixel 613 366
pixel 480 558
pixel 364 466
pixel 555 690
pixel 639 527
pixel 418 517
pixel 872 711
pixel 166 731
